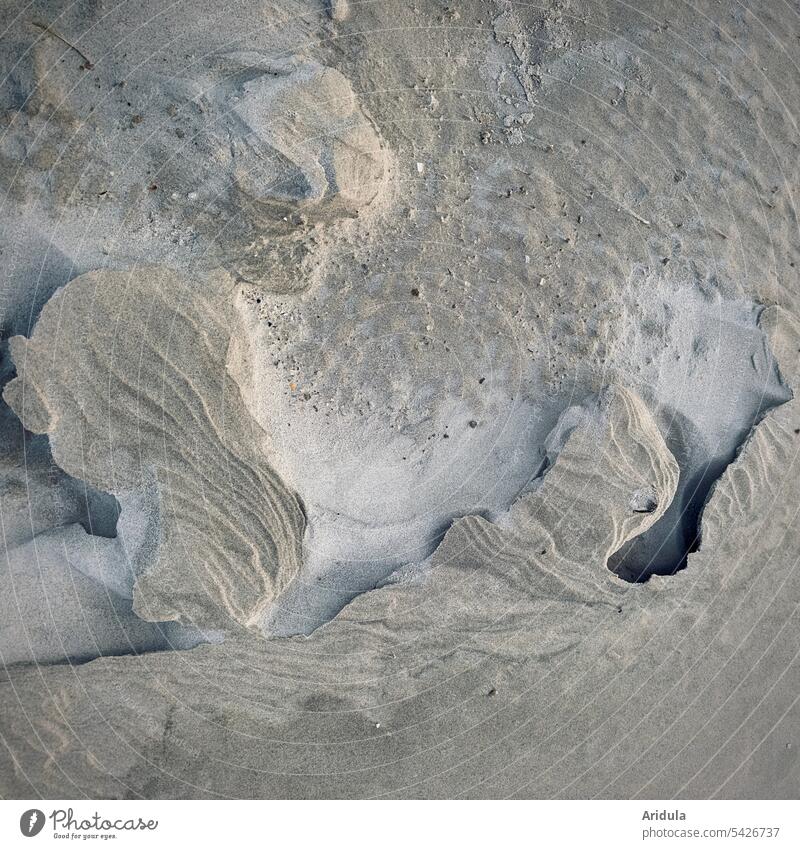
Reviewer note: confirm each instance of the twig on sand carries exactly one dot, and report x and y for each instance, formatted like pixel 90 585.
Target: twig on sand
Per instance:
pixel 637 217
pixel 88 64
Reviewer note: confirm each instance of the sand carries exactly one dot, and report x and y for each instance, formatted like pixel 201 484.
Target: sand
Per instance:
pixel 399 400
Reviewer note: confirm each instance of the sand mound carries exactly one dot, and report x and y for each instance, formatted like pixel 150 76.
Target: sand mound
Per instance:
pixel 125 373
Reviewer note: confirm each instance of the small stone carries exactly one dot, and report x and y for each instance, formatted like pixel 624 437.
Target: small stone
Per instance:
pixel 644 500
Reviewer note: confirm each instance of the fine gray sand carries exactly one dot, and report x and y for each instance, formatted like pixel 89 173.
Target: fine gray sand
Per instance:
pixel 399 399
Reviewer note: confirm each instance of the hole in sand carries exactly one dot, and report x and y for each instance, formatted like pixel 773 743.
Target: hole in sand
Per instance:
pixel 706 410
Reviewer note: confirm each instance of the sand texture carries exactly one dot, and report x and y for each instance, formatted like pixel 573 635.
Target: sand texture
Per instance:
pixel 398 399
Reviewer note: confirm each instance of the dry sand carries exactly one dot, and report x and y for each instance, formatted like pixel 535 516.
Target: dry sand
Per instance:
pixel 399 400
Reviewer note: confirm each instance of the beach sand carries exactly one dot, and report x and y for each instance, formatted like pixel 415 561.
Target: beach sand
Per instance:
pixel 398 400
